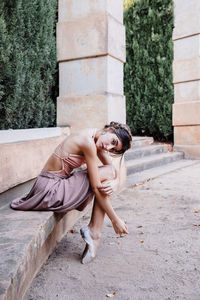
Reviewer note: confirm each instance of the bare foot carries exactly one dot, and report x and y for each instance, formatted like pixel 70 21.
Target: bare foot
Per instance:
pixel 92 244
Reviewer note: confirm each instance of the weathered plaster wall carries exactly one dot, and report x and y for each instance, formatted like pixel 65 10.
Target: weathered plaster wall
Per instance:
pixel 186 109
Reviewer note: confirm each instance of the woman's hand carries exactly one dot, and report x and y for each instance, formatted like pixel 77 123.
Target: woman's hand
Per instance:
pixel 108 187
pixel 120 227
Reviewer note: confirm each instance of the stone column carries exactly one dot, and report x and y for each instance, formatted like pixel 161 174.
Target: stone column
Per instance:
pixel 186 109
pixel 91 53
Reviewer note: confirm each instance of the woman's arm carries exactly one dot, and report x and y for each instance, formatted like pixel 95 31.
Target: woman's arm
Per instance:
pixel 104 157
pixel 90 153
pixel 108 186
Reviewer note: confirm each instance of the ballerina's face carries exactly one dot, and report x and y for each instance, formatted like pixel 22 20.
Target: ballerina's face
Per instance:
pixel 108 141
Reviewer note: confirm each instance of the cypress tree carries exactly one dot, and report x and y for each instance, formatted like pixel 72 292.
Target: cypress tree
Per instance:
pixel 148 71
pixel 28 57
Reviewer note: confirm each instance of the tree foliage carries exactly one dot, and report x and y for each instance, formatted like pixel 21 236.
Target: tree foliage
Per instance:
pixel 28 69
pixel 127 4
pixel 148 71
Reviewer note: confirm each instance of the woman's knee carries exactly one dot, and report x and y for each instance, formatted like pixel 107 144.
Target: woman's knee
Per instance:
pixel 107 172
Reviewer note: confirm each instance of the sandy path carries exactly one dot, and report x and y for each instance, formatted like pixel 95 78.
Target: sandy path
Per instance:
pixel 158 260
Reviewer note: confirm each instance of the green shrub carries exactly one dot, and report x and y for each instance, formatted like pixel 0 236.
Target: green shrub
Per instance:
pixel 28 69
pixel 148 71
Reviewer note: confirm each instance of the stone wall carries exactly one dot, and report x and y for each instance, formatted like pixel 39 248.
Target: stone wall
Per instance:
pixel 23 153
pixel 186 109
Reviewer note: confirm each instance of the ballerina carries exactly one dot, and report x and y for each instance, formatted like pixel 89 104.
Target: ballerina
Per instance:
pixel 60 188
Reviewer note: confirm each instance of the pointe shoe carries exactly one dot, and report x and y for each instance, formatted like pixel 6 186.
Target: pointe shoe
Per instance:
pixel 89 251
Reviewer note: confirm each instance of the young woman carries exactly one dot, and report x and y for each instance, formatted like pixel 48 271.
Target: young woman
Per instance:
pixel 59 189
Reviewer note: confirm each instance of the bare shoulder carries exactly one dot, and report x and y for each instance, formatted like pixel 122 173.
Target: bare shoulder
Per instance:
pixel 80 142
pixel 84 139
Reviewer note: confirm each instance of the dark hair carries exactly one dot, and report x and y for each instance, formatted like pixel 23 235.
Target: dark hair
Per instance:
pixel 123 132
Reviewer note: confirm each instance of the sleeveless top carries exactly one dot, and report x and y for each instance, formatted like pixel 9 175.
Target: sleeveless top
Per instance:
pixel 70 161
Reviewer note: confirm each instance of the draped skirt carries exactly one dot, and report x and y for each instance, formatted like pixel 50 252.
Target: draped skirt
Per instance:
pixel 54 192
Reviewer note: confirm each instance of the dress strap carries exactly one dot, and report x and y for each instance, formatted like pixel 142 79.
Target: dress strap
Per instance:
pixel 59 152
pixel 54 153
pixel 58 155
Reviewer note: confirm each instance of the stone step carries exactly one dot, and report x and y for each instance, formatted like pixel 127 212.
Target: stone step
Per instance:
pixel 141 177
pixel 27 238
pixel 139 141
pixel 140 152
pixel 137 165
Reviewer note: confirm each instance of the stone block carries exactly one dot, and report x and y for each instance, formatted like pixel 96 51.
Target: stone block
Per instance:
pixel 72 9
pixel 22 161
pixel 186 69
pixel 186 113
pixel 187 91
pixel 116 108
pixel 91 76
pixel 115 9
pixel 184 6
pixel 116 42
pixel 190 151
pixel 187 135
pixel 90 110
pixel 187 18
pixel 187 47
pixel 90 37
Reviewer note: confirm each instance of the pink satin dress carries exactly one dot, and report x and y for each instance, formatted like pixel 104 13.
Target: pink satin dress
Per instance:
pixel 59 191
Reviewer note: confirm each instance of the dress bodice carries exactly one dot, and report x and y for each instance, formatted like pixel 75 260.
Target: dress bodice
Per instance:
pixel 70 161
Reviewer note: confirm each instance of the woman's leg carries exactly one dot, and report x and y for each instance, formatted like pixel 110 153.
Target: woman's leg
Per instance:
pixel 92 233
pixel 97 218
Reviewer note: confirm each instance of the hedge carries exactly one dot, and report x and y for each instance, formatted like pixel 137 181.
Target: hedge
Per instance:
pixel 28 69
pixel 148 75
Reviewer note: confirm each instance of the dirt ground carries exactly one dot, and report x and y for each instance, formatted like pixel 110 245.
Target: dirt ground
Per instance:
pixel 157 260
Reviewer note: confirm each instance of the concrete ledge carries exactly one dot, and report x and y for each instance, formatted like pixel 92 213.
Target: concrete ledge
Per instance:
pixel 186 113
pixel 152 161
pixel 23 153
pixel 22 135
pixel 25 244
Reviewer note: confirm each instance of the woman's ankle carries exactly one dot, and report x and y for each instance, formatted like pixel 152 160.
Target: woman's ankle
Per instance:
pixel 95 233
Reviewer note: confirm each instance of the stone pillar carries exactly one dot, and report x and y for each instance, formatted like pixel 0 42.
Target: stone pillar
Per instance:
pixel 91 53
pixel 186 109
